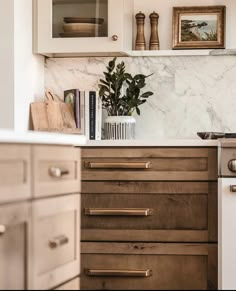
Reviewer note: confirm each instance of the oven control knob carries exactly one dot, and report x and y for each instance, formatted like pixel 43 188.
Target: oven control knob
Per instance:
pixel 232 165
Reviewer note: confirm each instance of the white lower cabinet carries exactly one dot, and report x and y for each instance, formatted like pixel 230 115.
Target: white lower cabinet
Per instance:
pixel 14 234
pixel 56 236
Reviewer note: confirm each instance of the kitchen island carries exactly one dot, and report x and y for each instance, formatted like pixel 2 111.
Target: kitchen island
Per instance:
pixel 39 210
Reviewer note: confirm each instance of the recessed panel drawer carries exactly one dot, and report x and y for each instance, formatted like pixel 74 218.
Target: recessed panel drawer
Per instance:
pixel 149 164
pixel 56 227
pixel 15 171
pixel 57 170
pixel 149 211
pixel 14 246
pixel 139 266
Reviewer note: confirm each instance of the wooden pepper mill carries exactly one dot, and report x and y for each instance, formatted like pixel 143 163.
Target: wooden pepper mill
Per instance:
pixel 140 39
pixel 154 39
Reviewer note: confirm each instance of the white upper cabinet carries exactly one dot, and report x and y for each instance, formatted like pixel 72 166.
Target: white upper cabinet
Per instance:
pixel 82 27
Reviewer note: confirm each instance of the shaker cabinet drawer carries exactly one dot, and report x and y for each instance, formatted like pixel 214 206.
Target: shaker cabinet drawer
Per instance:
pixel 57 170
pixel 149 164
pixel 56 230
pixel 147 266
pixel 14 245
pixel 15 172
pixel 149 211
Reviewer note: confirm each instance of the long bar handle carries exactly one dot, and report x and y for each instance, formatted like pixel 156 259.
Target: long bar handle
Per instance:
pixel 2 229
pixel 125 165
pixel 118 211
pixel 232 188
pixel 118 273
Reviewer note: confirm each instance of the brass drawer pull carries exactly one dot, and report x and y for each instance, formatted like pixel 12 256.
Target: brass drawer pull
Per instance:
pixel 58 241
pixel 118 273
pixel 118 211
pixel 57 172
pixel 2 229
pixel 133 165
pixel 232 188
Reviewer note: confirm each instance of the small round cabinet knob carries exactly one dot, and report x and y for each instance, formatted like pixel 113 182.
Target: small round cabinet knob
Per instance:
pixel 232 165
pixel 2 229
pixel 115 37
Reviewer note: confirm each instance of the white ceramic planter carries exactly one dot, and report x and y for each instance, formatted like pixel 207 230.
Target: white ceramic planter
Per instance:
pixel 119 127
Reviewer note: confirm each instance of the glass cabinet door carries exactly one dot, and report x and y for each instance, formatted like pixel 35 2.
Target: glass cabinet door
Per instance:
pixel 80 18
pixel 75 27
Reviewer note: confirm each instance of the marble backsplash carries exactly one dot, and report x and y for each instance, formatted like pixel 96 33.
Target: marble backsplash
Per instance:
pixel 190 93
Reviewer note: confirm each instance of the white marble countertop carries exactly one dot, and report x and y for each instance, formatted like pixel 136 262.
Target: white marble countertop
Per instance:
pixel 32 137
pixel 154 143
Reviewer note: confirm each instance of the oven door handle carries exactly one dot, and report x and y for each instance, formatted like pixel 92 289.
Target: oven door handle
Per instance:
pixel 233 188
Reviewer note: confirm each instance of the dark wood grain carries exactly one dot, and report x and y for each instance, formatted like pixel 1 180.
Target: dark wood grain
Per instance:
pixel 145 187
pixel 181 188
pixel 173 212
pixel 174 267
pixel 144 235
pixel 213 212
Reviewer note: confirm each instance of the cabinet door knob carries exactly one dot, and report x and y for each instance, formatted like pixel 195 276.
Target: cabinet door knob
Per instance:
pixel 57 172
pixel 2 229
pixel 58 241
pixel 115 37
pixel 232 165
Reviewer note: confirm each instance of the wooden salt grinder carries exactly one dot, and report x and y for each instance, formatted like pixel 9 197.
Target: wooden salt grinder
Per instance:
pixel 140 39
pixel 154 39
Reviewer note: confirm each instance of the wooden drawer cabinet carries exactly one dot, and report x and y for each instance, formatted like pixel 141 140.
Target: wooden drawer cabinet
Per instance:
pixel 149 218
pixel 150 164
pixel 149 211
pixel 56 228
pixel 14 234
pixel 15 172
pixel 56 170
pixel 146 266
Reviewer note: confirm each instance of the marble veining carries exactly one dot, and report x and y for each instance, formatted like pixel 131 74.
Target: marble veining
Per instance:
pixel 193 93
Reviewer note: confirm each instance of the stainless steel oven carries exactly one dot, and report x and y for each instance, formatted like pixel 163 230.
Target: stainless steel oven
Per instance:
pixel 227 215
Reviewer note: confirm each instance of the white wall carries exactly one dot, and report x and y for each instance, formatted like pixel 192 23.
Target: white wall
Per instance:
pixel 7 64
pixel 21 72
pixel 28 68
pixel 165 20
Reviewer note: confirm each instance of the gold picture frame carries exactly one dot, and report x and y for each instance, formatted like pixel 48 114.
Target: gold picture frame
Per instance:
pixel 199 27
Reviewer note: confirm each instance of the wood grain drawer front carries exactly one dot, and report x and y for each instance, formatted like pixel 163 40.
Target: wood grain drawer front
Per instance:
pixel 56 230
pixel 149 164
pixel 174 211
pixel 14 172
pixel 71 285
pixel 57 170
pixel 113 266
pixel 14 227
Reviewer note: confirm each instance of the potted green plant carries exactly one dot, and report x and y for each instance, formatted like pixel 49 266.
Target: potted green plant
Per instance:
pixel 121 95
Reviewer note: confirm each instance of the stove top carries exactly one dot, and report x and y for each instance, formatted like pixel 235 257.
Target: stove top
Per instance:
pixel 215 135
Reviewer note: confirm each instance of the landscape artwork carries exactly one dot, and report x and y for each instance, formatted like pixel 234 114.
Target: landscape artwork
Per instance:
pixel 198 27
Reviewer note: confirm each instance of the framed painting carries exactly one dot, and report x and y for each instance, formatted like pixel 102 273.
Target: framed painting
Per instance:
pixel 199 27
